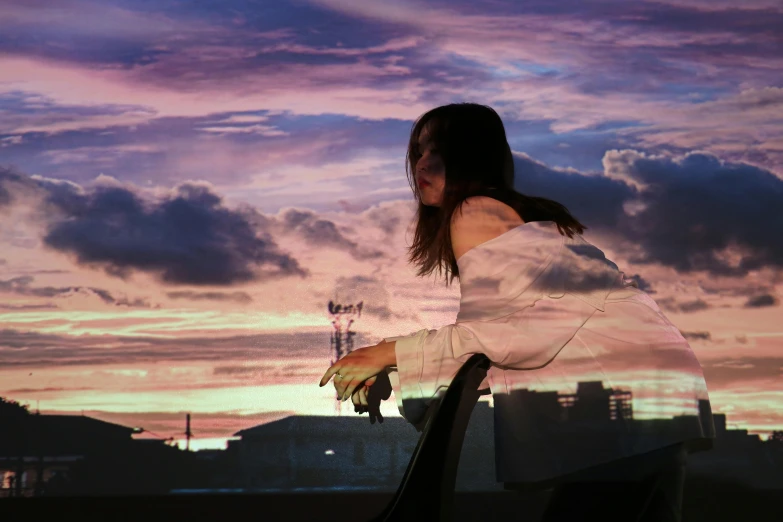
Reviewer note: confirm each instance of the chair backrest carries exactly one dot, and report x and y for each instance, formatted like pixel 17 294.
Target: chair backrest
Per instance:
pixel 426 491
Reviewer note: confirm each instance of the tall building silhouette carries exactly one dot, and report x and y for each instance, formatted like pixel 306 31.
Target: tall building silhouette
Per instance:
pixel 595 403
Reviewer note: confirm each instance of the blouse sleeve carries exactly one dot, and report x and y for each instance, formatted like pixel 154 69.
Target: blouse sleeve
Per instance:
pixel 522 302
pixel 428 360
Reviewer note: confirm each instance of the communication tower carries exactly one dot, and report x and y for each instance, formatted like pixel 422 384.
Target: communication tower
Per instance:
pixel 341 343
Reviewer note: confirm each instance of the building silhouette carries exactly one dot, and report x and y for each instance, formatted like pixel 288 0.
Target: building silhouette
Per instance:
pixel 80 455
pixel 317 451
pixel 594 402
pixel 77 455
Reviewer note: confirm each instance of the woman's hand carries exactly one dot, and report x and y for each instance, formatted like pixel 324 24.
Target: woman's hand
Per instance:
pixel 359 366
pixel 369 396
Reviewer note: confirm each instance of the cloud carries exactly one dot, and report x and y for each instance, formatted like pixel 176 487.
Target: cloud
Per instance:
pixel 696 212
pixel 45 306
pixel 641 283
pixel 761 301
pixel 597 199
pixel 22 286
pixel 692 212
pixel 729 371
pixel 39 350
pixel 324 233
pixel 674 68
pixel 670 304
pixel 48 389
pixel 369 290
pixel 11 184
pixel 268 371
pixel 261 130
pixel 185 237
pixel 189 236
pixel 90 31
pixel 237 297
pixel 698 336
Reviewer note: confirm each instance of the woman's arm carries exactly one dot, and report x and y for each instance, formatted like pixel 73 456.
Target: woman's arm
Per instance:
pixel 386 348
pixel 520 317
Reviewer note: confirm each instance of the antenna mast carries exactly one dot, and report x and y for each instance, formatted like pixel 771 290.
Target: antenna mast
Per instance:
pixel 188 433
pixel 338 350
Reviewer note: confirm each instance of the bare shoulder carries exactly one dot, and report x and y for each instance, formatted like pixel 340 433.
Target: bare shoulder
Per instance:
pixel 482 219
pixel 485 210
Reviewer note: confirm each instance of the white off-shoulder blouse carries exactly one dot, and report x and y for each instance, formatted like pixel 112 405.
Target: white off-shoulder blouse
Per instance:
pixel 586 369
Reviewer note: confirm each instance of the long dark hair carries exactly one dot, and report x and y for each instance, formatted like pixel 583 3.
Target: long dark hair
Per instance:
pixel 471 139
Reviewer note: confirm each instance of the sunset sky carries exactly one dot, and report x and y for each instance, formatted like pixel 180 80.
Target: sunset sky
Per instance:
pixel 184 186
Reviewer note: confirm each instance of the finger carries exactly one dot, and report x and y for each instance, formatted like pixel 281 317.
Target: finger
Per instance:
pixel 346 393
pixel 338 388
pixel 375 410
pixel 363 399
pixel 345 386
pixel 350 388
pixel 328 375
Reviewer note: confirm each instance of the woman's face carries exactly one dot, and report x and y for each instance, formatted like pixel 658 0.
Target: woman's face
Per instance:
pixel 430 172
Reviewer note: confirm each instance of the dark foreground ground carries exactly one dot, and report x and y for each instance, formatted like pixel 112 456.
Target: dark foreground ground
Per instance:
pixel 704 501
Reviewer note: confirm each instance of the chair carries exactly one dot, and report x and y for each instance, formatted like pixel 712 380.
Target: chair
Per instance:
pixel 426 491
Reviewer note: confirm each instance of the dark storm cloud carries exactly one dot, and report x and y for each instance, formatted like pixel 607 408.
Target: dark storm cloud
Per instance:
pixel 186 238
pixel 597 199
pixel 697 206
pixel 692 208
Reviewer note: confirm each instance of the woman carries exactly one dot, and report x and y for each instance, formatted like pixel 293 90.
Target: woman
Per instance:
pixel 553 315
